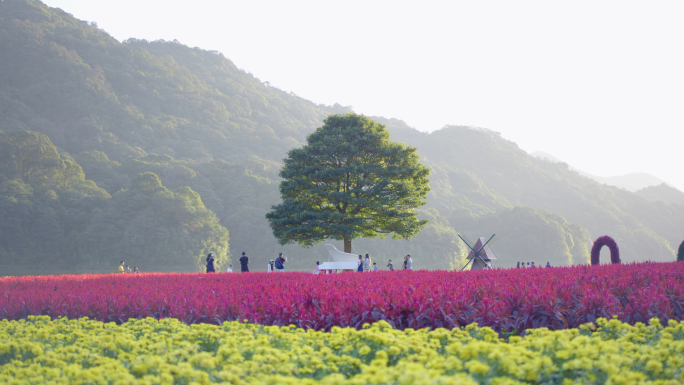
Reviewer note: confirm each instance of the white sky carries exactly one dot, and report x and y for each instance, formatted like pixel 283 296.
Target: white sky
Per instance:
pixel 598 84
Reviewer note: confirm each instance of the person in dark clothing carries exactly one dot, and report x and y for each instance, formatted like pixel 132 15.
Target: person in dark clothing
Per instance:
pixel 390 265
pixel 210 263
pixel 244 263
pixel 280 263
pixel 360 267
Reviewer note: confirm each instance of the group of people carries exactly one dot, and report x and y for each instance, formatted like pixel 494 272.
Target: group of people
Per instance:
pixel 365 264
pixel 123 268
pixel 274 265
pixel 278 264
pixel 530 266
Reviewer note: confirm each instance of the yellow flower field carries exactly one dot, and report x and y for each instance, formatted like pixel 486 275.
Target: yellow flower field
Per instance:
pixel 79 351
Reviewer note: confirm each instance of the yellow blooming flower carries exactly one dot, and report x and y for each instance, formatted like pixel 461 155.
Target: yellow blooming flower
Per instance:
pixel 39 350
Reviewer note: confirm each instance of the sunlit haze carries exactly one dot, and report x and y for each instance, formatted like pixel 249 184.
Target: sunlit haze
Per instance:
pixel 596 84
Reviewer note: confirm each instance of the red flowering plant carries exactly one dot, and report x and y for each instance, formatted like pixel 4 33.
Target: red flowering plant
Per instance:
pixel 506 300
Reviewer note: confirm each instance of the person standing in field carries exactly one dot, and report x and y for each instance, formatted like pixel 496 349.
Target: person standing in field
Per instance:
pixel 360 267
pixel 533 264
pixel 390 265
pixel 121 267
pixel 518 266
pixel 210 263
pixel 548 264
pixel 409 263
pixel 271 266
pixel 367 266
pixel 280 263
pixel 375 267
pixel 405 263
pixel 229 269
pixel 128 269
pixel 244 263
pixel 135 270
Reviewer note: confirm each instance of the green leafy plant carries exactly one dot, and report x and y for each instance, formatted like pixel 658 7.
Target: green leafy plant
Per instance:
pixel 349 181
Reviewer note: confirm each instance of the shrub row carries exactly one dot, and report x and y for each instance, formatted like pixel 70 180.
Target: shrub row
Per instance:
pixel 505 300
pixel 148 351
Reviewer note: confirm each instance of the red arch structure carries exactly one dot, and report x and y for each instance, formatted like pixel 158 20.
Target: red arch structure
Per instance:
pixel 605 241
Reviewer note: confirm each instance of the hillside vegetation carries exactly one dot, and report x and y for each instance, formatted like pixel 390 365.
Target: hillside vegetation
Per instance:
pixel 662 192
pixel 155 153
pixel 643 229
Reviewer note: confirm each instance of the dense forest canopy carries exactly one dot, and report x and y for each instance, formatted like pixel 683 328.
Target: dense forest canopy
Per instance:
pixel 155 152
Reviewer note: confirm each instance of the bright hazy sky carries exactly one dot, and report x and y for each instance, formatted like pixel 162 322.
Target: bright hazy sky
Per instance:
pixel 598 84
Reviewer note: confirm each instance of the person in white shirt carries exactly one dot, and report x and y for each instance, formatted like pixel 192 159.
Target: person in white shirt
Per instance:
pixel 229 269
pixel 271 267
pixel 409 263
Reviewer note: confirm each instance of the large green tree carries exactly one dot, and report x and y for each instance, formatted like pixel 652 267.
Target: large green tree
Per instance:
pixel 349 181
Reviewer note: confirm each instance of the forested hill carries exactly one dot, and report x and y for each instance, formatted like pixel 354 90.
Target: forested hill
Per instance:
pixel 644 230
pixel 176 143
pixel 86 91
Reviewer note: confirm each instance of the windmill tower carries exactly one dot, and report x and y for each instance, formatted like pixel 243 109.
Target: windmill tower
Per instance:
pixel 481 254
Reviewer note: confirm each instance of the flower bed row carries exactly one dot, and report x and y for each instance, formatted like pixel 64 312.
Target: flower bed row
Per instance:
pixel 505 300
pixel 40 350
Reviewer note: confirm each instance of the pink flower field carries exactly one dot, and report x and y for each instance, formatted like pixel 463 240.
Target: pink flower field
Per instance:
pixel 506 300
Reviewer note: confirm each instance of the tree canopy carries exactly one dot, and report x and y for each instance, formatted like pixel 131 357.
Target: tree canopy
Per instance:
pixel 52 218
pixel 349 181
pixel 162 229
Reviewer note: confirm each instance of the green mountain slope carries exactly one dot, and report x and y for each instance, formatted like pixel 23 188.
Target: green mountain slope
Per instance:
pixel 75 83
pixel 190 117
pixel 55 219
pixel 643 229
pixel 662 192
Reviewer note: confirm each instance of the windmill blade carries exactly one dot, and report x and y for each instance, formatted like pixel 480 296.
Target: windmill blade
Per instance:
pixel 465 238
pixel 494 240
pixel 483 261
pixel 485 244
pixel 468 243
pixel 489 247
pixel 466 264
pixel 489 250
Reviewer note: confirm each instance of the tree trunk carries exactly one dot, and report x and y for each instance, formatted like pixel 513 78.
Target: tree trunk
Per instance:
pixel 347 245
